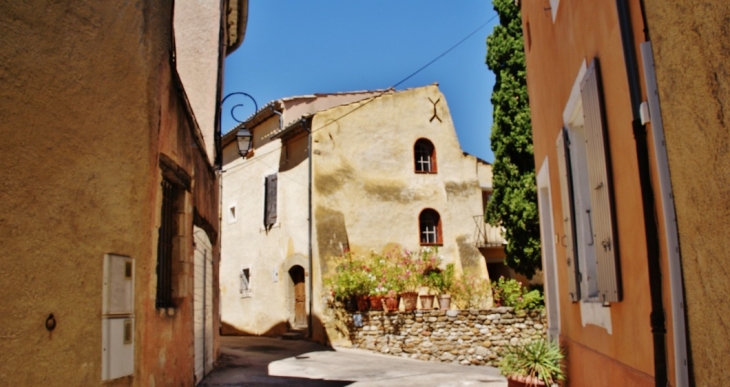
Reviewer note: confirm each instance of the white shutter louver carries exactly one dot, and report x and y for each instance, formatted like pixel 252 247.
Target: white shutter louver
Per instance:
pixel 599 177
pixel 566 195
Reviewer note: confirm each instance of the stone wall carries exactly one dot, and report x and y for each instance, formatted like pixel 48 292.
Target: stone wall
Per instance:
pixel 452 336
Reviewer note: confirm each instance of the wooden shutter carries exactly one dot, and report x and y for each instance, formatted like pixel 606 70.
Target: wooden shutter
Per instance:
pixel 270 205
pixel 599 177
pixel 566 195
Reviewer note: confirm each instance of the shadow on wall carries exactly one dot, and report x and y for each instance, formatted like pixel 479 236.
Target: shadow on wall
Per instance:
pixel 279 329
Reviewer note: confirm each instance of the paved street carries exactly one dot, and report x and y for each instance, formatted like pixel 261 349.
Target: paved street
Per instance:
pixel 258 361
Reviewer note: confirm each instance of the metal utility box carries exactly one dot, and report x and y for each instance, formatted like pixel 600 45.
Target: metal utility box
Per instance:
pixel 117 317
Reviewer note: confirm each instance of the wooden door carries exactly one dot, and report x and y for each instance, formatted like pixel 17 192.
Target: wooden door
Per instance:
pixel 300 296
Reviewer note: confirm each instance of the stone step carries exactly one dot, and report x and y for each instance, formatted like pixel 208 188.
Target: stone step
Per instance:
pixel 294 334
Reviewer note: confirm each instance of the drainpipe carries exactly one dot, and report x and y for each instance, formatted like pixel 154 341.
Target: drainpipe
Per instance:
pixel 308 128
pixel 651 233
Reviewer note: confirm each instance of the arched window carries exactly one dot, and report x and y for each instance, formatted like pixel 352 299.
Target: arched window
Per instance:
pixel 430 227
pixel 425 156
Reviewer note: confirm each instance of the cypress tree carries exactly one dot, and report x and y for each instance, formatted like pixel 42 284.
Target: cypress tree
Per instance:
pixel 514 202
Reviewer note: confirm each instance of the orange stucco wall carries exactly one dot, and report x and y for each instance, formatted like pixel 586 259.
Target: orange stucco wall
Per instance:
pixel 89 103
pixel 554 53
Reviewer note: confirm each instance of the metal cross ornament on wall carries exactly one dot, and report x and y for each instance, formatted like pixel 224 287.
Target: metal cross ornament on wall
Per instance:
pixel 435 113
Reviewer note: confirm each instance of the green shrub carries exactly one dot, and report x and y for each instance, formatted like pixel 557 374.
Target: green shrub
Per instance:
pixel 510 292
pixel 538 359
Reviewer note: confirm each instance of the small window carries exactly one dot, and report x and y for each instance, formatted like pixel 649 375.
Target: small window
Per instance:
pixel 171 199
pixel 430 227
pixel 425 156
pixel 246 282
pixel 232 214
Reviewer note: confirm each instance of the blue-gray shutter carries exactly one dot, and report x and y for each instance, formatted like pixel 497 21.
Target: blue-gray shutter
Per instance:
pixel 270 205
pixel 599 177
pixel 567 240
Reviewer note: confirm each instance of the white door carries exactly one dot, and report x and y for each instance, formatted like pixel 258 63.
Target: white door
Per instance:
pixel 203 305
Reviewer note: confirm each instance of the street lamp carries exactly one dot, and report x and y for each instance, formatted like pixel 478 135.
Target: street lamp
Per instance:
pixel 244 141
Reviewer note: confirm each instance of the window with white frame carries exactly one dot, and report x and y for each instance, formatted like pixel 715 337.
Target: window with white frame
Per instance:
pixel 425 156
pixel 245 282
pixel 589 235
pixel 430 227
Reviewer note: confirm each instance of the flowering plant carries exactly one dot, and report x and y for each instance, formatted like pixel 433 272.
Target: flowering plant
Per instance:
pixel 471 292
pixel 393 273
pixel 352 277
pixel 510 292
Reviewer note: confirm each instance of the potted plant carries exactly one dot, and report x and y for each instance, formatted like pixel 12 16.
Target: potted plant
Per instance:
pixel 351 282
pixel 537 363
pixel 444 286
pixel 434 281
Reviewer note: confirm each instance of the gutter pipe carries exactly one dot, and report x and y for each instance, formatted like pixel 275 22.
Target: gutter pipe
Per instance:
pixel 657 319
pixel 307 126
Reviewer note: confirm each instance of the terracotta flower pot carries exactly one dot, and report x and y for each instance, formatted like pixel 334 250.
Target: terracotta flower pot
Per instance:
pixel 391 303
pixel 426 301
pixel 363 303
pixel 521 381
pixel 410 300
pixel 444 301
pixel 376 302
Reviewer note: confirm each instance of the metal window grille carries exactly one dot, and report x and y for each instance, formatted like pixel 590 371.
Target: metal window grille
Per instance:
pixel 165 246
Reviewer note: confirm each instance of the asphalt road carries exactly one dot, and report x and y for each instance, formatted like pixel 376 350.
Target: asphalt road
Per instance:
pixel 259 361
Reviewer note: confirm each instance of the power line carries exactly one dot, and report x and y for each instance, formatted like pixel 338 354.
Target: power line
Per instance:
pixel 392 88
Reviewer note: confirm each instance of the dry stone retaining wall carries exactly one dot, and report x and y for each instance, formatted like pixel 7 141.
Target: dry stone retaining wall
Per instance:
pixel 453 336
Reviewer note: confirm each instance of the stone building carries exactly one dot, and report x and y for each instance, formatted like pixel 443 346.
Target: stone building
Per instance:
pixel 628 100
pixel 386 170
pixel 110 195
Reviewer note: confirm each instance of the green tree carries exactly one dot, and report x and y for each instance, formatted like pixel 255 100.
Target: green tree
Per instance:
pixel 514 201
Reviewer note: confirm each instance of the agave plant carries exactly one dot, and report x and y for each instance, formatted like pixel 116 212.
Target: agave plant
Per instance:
pixel 538 360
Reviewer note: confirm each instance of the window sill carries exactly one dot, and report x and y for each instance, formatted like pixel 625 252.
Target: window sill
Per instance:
pixel 166 311
pixel 426 173
pixel 432 244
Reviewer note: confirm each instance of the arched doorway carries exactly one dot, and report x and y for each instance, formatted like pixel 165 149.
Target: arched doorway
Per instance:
pixel 296 273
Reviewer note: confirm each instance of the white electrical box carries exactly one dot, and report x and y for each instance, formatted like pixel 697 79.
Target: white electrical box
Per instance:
pixel 118 285
pixel 117 317
pixel 117 347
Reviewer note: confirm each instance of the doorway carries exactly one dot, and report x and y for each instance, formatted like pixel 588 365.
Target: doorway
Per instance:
pixel 300 296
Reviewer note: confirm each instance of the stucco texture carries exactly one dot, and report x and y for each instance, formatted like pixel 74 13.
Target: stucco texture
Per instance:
pixel 555 51
pixel 89 102
pixel 691 52
pixel 366 193
pixel 365 196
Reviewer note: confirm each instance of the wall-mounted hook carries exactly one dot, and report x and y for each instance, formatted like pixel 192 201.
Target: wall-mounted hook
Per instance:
pixel 51 322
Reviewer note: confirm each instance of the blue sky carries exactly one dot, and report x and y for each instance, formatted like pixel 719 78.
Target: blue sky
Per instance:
pixel 305 47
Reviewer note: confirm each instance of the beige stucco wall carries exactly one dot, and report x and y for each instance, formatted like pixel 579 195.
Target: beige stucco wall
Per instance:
pixel 691 50
pixel 89 103
pixel 269 254
pixel 197 36
pixel 367 195
pixel 246 243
